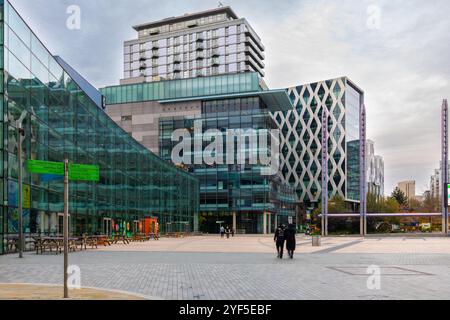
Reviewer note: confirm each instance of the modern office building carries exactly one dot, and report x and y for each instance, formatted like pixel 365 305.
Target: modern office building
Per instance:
pixel 375 171
pixel 238 195
pixel 137 110
pixel 302 133
pixel 63 119
pixel 206 43
pixel 408 188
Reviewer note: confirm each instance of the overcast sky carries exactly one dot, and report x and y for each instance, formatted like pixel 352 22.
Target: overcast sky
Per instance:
pixel 397 51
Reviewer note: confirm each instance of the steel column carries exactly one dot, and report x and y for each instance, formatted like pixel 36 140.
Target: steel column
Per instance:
pixel 324 172
pixel 362 171
pixel 444 167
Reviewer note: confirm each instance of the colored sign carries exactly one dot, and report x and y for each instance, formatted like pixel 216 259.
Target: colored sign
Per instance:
pixel 45 167
pixel 448 195
pixel 13 191
pixel 84 172
pixel 77 172
pixel 26 204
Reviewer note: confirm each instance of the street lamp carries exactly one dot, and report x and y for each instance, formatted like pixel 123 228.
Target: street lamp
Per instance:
pixel 20 135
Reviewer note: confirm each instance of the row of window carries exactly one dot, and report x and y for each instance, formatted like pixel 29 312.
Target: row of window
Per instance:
pixel 185 88
pixel 185 24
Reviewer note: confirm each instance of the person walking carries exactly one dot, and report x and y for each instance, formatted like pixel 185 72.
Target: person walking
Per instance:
pixel 232 232
pixel 279 240
pixel 291 241
pixel 222 231
pixel 227 231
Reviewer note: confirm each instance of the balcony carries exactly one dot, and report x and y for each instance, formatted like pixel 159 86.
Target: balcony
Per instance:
pixel 215 53
pixel 215 62
pixel 154 31
pixel 176 58
pixel 155 54
pixel 142 57
pixel 155 45
pixel 192 24
pixel 199 46
pixel 143 65
pixel 199 56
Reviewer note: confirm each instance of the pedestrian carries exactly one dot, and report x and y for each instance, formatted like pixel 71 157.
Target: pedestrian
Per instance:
pixel 279 240
pixel 222 231
pixel 289 235
pixel 232 232
pixel 228 232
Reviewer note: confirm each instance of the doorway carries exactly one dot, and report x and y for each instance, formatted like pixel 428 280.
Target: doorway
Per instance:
pixel 107 226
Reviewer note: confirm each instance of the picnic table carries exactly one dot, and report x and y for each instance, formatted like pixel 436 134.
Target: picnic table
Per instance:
pixel 120 237
pixel 57 243
pixel 12 244
pixel 101 239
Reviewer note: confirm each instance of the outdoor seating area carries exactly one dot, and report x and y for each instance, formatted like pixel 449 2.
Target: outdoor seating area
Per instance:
pixel 55 244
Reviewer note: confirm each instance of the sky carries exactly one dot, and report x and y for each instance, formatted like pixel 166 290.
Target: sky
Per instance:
pixel 397 51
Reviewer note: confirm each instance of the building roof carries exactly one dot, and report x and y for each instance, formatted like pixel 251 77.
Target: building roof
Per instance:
pixel 186 17
pixel 276 100
pixel 88 88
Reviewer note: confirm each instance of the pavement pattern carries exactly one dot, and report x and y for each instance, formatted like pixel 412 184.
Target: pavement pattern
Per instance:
pixel 246 267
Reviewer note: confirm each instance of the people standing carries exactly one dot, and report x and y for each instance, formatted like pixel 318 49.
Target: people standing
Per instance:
pixel 222 231
pixel 291 241
pixel 279 240
pixel 227 230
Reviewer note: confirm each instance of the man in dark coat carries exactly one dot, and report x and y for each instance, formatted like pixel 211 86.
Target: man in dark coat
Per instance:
pixel 279 240
pixel 291 242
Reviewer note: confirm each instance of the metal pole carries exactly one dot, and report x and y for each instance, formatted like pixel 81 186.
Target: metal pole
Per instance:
pixel 362 172
pixel 444 167
pixel 20 205
pixel 324 172
pixel 66 226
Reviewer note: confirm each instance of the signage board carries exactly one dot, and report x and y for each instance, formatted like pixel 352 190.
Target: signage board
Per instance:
pixel 448 195
pixel 77 172
pixel 45 167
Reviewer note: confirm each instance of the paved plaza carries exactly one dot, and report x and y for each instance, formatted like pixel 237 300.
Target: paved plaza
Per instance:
pixel 246 267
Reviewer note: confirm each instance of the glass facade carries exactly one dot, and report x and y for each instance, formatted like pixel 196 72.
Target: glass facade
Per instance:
pixel 184 88
pixel 302 144
pixel 62 122
pixel 233 188
pixel 353 105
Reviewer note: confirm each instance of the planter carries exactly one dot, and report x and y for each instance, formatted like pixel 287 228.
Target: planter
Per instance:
pixel 316 241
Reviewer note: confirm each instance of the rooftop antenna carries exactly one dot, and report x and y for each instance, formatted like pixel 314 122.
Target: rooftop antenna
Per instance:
pixel 220 4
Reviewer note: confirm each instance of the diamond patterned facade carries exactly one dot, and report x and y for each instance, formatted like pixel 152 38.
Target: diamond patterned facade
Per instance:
pixel 301 139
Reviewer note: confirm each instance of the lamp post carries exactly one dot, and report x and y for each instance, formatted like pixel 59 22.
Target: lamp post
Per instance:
pixel 20 133
pixel 66 226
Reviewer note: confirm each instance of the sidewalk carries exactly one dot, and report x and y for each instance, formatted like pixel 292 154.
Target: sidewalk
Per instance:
pixel 49 292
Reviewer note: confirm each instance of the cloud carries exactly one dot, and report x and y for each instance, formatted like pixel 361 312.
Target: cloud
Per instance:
pixel 403 66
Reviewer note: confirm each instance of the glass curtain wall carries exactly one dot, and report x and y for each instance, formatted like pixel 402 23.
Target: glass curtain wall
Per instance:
pixel 353 105
pixel 194 87
pixel 232 188
pixel 62 122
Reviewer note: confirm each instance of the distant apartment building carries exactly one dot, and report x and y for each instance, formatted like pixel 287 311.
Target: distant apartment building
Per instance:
pixel 408 188
pixel 375 171
pixel 207 43
pixel 436 182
